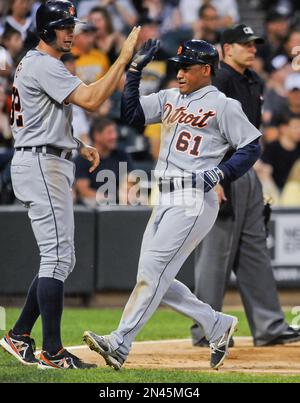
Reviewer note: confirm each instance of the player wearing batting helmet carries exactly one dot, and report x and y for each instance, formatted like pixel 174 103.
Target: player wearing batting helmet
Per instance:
pixel 54 15
pixel 199 124
pixel 43 173
pixel 195 52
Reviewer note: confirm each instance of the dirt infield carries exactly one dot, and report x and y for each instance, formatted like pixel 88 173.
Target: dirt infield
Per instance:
pixel 180 355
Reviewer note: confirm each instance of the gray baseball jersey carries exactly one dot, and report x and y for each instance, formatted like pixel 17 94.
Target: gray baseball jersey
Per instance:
pixel 197 129
pixel 39 114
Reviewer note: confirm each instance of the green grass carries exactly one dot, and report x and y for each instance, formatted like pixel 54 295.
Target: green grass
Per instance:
pixel 32 375
pixel 164 325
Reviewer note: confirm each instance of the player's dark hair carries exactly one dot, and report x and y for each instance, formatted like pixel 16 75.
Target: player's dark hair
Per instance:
pixel 98 125
pixel 107 17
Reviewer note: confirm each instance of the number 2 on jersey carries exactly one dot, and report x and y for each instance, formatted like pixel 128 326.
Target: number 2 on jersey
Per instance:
pixel 184 143
pixel 16 109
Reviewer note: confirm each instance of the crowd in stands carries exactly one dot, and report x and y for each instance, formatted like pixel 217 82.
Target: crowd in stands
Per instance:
pixel 97 45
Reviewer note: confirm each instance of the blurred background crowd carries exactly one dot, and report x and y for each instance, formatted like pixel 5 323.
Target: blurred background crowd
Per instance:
pixel 96 47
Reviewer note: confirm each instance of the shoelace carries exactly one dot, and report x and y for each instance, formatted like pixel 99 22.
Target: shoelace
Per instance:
pixel 214 348
pixel 31 346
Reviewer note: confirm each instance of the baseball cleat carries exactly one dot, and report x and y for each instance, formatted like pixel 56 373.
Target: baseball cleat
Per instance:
pixel 101 345
pixel 21 347
pixel 219 348
pixel 63 360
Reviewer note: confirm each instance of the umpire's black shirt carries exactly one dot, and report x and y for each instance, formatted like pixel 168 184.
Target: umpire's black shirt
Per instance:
pixel 247 88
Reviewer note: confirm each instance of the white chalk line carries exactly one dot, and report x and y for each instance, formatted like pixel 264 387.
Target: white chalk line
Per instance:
pixel 83 346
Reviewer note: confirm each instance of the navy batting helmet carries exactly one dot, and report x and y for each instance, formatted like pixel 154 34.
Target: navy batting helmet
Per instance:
pixel 52 15
pixel 197 52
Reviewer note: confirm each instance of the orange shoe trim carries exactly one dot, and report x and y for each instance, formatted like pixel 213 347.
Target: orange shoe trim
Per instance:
pixel 12 345
pixel 43 358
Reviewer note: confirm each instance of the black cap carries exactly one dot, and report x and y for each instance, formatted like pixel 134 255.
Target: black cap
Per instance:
pixel 240 34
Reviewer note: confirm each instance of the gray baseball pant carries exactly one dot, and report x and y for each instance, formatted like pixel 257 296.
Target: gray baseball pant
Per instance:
pixel 43 183
pixel 171 235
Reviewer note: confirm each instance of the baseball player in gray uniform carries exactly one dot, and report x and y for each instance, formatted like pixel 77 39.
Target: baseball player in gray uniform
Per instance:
pixel 43 173
pixel 198 125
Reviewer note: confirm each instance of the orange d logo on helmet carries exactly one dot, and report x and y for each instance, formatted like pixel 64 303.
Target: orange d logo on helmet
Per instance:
pixel 179 51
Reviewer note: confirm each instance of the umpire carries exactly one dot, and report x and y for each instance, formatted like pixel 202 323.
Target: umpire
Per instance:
pixel 238 239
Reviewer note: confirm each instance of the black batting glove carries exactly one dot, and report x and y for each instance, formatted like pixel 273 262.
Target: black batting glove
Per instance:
pixel 145 55
pixel 211 178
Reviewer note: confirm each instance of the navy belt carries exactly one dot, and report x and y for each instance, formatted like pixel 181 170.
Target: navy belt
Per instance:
pixel 59 152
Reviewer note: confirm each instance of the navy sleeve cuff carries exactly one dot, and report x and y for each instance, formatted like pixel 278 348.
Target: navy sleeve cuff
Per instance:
pixel 131 110
pixel 241 161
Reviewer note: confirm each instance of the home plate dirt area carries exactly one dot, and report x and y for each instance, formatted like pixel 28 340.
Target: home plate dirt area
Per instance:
pixel 181 355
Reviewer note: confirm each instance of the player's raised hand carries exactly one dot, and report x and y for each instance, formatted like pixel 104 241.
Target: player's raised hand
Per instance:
pixel 91 154
pixel 145 55
pixel 129 45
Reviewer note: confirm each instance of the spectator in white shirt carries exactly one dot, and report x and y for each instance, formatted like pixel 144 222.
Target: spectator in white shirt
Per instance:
pixel 19 18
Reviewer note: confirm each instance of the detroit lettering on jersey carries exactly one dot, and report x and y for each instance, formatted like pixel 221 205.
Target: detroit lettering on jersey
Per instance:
pixel 181 115
pixel 197 129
